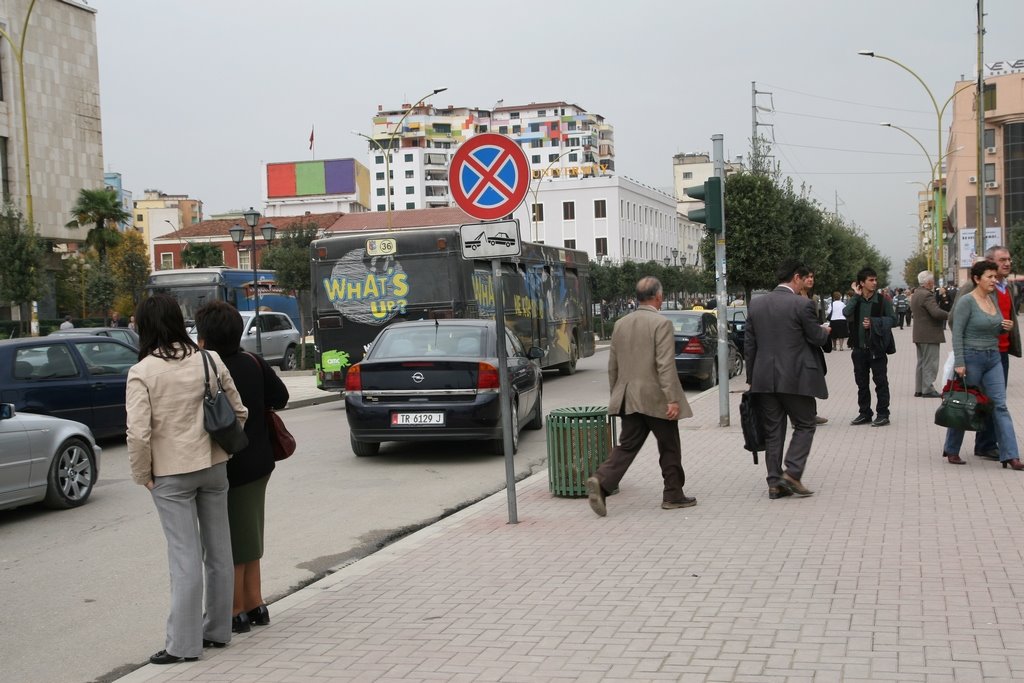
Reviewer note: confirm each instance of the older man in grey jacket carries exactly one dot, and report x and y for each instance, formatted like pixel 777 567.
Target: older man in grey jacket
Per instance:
pixel 647 395
pixel 928 335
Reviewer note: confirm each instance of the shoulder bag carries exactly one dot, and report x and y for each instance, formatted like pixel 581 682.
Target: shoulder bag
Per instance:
pixel 282 443
pixel 219 417
pixel 963 407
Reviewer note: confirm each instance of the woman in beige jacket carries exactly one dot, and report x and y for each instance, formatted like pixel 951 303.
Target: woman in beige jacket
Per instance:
pixel 172 455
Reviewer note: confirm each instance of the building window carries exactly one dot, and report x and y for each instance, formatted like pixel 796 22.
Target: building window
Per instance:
pixel 410 205
pixel 410 190
pixel 443 128
pixel 600 209
pixel 140 218
pixel 379 159
pixel 570 244
pixel 534 127
pixel 408 158
pixel 244 260
pixel 990 137
pixel 535 158
pixel 410 174
pixel 166 261
pixel 569 211
pixel 990 173
pixel 552 157
pixel 574 157
pixel 601 246
pixel 990 96
pixel 514 115
pixel 503 130
pixel 381 207
pixel 536 143
pixel 687 175
pixel 538 212
pixel 380 176
pixel 517 129
pixel 991 205
pixel 380 191
pixel 542 112
pixel 572 125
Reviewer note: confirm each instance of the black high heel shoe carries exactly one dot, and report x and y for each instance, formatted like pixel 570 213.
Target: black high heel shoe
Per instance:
pixel 1014 464
pixel 259 616
pixel 240 623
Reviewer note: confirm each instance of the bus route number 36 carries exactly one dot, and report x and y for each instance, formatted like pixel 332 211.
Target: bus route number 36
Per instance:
pixel 382 247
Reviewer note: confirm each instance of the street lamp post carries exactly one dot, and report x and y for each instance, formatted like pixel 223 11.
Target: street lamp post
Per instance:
pixel 536 189
pixel 391 135
pixel 19 56
pixel 675 253
pixel 937 175
pixel 252 217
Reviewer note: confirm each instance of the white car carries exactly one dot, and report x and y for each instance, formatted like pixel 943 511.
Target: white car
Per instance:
pixel 278 337
pixel 45 458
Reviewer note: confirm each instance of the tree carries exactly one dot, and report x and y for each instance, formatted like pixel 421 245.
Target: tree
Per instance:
pixel 289 258
pixel 202 255
pixel 129 263
pixel 1015 243
pixel 101 288
pixel 102 209
pixel 21 261
pixel 914 264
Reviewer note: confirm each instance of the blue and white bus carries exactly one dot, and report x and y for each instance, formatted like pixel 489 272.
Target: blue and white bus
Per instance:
pixel 193 287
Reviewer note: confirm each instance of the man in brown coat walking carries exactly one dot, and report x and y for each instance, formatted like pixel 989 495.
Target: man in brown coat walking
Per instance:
pixel 647 395
pixel 928 334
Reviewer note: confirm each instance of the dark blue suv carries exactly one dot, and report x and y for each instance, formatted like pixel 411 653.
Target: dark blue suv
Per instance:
pixel 80 378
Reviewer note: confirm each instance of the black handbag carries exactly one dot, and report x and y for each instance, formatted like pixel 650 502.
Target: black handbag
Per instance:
pixel 219 417
pixel 750 420
pixel 963 407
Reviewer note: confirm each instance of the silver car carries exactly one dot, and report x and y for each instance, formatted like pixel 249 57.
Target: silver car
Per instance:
pixel 279 338
pixel 45 458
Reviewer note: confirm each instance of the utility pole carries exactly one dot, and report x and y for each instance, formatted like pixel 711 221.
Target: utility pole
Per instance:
pixel 721 290
pixel 754 123
pixel 979 238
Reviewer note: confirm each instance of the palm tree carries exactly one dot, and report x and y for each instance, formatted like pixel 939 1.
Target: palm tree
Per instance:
pixel 102 208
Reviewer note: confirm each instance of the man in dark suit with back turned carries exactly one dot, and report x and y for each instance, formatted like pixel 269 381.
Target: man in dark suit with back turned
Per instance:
pixel 785 374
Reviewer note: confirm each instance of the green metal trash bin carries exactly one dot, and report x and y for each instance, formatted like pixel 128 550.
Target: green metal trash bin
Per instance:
pixel 579 439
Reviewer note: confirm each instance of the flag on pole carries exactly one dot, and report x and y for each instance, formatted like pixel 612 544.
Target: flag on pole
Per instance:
pixel 311 137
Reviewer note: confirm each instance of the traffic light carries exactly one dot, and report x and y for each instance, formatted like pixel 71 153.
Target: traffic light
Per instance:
pixel 711 194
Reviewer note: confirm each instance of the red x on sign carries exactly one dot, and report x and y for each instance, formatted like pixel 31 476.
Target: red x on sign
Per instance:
pixel 489 176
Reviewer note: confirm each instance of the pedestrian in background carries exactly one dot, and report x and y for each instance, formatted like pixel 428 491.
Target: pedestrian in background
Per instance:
pixel 927 334
pixel 219 327
pixel 172 455
pixel 786 375
pixel 837 322
pixel 901 304
pixel 871 318
pixel 67 324
pixel 978 324
pixel 647 396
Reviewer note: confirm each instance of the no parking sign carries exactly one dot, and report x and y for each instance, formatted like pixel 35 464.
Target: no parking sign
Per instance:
pixel 489 176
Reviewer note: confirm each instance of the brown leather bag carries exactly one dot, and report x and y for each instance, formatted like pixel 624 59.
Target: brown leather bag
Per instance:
pixel 282 443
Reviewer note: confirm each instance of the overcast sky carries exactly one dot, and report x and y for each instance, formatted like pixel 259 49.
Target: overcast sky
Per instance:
pixel 196 94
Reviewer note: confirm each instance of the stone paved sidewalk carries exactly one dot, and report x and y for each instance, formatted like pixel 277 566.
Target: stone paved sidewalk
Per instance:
pixel 901 568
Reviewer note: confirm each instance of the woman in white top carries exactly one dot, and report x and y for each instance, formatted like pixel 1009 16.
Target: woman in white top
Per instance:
pixel 840 330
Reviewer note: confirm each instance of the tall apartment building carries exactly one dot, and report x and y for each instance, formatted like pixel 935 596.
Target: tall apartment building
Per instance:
pixel 114 182
pixel 157 214
pixel 560 140
pixel 1002 172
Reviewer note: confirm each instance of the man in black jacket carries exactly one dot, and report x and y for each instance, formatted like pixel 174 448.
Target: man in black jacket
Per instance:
pixel 871 318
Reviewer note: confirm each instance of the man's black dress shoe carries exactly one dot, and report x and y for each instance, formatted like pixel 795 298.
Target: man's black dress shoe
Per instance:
pixel 260 616
pixel 861 420
pixel 917 394
pixel 880 422
pixel 163 657
pixel 674 504
pixel 931 394
pixel 213 643
pixel 780 491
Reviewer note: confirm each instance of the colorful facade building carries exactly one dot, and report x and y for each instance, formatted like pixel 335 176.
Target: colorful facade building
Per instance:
pixel 113 181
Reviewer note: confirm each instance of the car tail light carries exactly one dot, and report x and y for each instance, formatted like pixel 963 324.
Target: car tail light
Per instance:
pixel 693 346
pixel 353 380
pixel 487 377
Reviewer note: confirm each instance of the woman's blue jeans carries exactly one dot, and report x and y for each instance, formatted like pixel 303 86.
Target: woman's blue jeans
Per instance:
pixel 985 370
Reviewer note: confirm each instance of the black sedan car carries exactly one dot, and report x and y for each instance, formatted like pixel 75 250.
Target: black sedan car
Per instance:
pixel 696 335
pixel 438 380
pixel 77 377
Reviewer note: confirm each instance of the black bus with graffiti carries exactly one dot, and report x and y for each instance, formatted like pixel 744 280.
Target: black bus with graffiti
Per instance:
pixel 364 281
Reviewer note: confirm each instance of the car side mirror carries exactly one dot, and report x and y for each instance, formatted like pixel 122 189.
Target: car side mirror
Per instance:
pixel 6 411
pixel 535 353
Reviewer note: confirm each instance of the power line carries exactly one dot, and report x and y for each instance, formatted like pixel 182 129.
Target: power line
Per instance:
pixel 858 151
pixel 832 118
pixel 859 104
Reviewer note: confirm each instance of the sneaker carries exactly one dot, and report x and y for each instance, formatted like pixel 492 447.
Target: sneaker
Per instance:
pixel 596 496
pixel 880 422
pixel 861 420
pixel 673 504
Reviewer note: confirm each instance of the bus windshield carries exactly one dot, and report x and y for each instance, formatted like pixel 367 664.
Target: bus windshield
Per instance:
pixel 190 298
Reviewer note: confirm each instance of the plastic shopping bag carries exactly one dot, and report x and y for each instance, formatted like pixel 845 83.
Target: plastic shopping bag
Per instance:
pixel 947 369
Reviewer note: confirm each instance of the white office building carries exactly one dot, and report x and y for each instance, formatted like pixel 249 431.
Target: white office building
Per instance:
pixel 612 218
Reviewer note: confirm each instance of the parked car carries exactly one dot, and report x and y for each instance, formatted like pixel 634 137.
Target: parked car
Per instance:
pixel 736 319
pixel 45 459
pixel 124 334
pixel 438 380
pixel 74 377
pixel 278 337
pixel 696 334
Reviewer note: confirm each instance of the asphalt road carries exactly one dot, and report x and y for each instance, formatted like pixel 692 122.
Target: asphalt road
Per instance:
pixel 85 593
